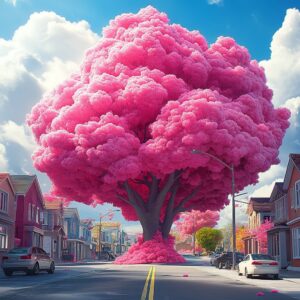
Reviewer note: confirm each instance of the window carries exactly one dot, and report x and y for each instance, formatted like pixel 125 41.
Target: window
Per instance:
pixel 3 237
pixel 297 194
pixel 37 215
pixel 29 212
pixel 296 242
pixel 279 209
pixel 3 201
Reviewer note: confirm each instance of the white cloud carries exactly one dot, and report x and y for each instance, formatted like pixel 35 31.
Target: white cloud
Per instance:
pixel 283 67
pixel 226 215
pixel 12 2
pixel 266 190
pixel 19 134
pixel 274 172
pixel 214 2
pixel 40 54
pixel 133 229
pixel 3 159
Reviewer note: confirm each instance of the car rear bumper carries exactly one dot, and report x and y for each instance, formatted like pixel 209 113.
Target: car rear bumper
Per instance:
pixel 263 270
pixel 24 265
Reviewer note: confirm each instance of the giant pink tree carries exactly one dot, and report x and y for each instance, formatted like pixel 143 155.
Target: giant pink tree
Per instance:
pixel 122 129
pixel 261 235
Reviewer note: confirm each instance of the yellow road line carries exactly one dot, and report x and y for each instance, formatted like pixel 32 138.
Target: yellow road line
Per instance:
pixel 151 292
pixel 145 290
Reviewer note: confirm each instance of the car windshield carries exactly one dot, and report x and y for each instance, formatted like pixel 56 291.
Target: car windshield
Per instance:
pixel 262 257
pixel 18 251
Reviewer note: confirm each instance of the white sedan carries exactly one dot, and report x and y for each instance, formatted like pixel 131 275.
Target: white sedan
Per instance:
pixel 258 264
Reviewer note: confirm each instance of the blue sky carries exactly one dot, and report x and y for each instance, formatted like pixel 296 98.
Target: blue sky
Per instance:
pixel 251 22
pixel 29 68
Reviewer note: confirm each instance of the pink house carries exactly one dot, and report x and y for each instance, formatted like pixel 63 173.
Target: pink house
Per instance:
pixel 7 213
pixel 29 212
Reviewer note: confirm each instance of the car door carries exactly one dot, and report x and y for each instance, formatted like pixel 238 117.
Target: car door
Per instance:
pixel 243 263
pixel 42 258
pixel 47 259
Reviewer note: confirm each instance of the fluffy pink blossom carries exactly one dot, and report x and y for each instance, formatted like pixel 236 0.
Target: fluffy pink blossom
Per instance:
pixel 192 221
pixel 260 234
pixel 122 129
pixel 157 250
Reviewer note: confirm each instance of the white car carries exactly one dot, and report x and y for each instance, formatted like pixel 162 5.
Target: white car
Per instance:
pixel 31 260
pixel 258 264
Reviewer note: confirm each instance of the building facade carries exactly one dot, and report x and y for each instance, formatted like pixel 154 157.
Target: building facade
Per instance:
pixel 75 245
pixel 259 210
pixel 54 241
pixel 29 211
pixel 85 234
pixel 7 213
pixel 279 235
pixel 291 185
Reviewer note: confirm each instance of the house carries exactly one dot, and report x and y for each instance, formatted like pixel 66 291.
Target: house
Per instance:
pixel 110 236
pixel 7 213
pixel 279 235
pixel 291 185
pixel 29 211
pixel 75 245
pixel 259 210
pixel 54 241
pixel 85 234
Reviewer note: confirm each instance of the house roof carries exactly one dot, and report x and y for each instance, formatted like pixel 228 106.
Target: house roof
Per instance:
pixel 54 204
pixel 22 184
pixel 259 204
pixel 6 176
pixel 277 191
pixel 70 211
pixel 294 162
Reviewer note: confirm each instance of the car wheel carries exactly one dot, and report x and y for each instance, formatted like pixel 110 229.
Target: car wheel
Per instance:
pixel 220 266
pixel 8 272
pixel 275 276
pixel 52 268
pixel 36 269
pixel 247 275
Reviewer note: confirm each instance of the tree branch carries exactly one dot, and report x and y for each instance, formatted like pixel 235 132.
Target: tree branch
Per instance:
pixel 153 191
pixel 134 197
pixel 180 207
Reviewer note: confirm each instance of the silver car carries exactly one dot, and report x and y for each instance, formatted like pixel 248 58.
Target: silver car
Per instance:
pixel 30 260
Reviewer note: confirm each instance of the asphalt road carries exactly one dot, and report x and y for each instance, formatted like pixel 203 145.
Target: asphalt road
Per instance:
pixel 135 282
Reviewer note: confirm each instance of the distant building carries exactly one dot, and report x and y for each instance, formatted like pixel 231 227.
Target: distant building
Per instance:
pixel 259 210
pixel 53 224
pixel 29 211
pixel 85 234
pixel 7 213
pixel 112 237
pixel 71 228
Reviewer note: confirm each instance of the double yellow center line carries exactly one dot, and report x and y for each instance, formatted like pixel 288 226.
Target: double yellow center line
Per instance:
pixel 151 274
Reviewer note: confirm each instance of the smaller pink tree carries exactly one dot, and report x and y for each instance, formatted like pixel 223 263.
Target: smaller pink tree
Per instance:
pixel 191 222
pixel 260 233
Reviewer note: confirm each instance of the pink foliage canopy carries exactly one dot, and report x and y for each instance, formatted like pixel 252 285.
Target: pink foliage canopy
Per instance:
pixel 146 95
pixel 260 233
pixel 157 250
pixel 192 221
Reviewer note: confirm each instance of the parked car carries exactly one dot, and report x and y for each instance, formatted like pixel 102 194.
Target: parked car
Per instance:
pixel 213 258
pixel 258 264
pixel 225 259
pixel 31 260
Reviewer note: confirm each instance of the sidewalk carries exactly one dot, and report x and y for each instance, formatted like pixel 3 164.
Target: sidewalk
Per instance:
pixel 288 284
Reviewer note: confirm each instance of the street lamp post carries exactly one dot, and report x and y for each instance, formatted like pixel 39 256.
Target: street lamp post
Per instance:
pixel 231 168
pixel 100 228
pixel 194 242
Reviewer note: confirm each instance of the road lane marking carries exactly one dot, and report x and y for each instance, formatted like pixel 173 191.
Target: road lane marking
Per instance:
pixel 145 290
pixel 151 292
